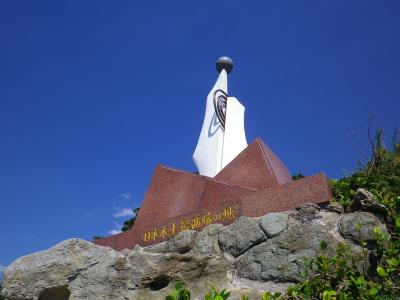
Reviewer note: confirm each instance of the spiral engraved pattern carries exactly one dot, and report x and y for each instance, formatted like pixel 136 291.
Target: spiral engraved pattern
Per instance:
pixel 220 102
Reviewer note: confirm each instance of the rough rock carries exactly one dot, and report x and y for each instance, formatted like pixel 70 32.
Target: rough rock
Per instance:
pixel 364 200
pixel 58 268
pixel 307 212
pixel 83 270
pixel 240 236
pixel 76 269
pixel 157 248
pixel 282 258
pixel 182 242
pixel 335 207
pixel 348 226
pixel 273 223
pixel 206 241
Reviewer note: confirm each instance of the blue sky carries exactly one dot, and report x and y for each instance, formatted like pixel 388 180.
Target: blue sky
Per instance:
pixel 94 94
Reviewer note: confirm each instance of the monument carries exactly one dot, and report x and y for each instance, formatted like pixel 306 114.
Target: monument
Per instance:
pixel 222 136
pixel 234 179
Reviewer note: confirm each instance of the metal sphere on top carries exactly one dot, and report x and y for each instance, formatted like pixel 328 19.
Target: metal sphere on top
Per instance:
pixel 224 62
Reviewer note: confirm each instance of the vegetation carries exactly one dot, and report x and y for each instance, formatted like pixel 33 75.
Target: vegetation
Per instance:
pixel 128 224
pixel 380 175
pixel 375 274
pixel 297 176
pixel 215 294
pixel 340 277
pixel 179 293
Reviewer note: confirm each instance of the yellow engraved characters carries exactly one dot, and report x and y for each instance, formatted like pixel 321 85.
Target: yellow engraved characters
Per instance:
pixel 229 213
pixel 163 233
pixel 173 228
pixel 207 219
pixel 194 223
pixel 147 236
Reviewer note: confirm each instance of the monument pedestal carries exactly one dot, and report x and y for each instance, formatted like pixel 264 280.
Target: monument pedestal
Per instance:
pixel 254 183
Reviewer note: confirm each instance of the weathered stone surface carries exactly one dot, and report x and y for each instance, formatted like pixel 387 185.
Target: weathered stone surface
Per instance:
pixel 65 264
pixel 273 223
pixel 76 269
pixel 335 207
pixel 364 200
pixel 182 242
pixel 87 271
pixel 282 257
pixel 307 212
pixel 156 248
pixel 206 241
pixel 240 236
pixel 348 222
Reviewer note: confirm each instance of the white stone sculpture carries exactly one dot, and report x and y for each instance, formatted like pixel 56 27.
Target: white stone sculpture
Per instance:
pixel 222 136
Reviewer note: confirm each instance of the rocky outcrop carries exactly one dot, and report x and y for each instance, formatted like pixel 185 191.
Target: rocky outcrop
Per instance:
pixel 251 254
pixel 240 236
pixel 358 226
pixel 365 201
pixel 182 242
pixel 273 223
pixel 207 240
pixel 282 258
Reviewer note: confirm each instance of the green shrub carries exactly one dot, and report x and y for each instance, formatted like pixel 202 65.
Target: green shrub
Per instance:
pixel 337 277
pixel 128 224
pixel 179 293
pixel 297 176
pixel 215 294
pixel 380 175
pixel 270 296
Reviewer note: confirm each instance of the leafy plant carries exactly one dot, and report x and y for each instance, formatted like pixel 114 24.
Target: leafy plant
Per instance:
pixel 297 176
pixel 270 296
pixel 380 175
pixel 340 276
pixel 215 294
pixel 388 257
pixel 179 293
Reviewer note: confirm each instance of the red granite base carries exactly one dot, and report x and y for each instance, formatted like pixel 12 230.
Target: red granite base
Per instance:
pixel 254 183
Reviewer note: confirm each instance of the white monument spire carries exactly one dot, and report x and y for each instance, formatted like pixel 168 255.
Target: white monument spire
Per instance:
pixel 222 136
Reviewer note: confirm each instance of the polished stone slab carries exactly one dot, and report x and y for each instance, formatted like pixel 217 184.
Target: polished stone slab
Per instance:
pixel 254 183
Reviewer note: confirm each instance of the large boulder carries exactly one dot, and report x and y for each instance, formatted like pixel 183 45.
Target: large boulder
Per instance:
pixel 365 201
pixel 72 262
pixel 282 258
pixel 240 236
pixel 76 269
pixel 182 242
pixel 358 226
pixel 206 241
pixel 273 223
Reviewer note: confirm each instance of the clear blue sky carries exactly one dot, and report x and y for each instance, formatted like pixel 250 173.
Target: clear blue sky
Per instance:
pixel 94 94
